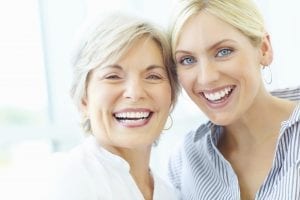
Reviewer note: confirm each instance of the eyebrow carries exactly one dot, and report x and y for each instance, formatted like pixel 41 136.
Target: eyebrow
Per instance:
pixel 209 48
pixel 150 67
pixel 116 66
pixel 155 67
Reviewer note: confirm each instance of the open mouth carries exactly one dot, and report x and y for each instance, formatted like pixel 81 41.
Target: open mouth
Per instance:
pixel 218 96
pixel 133 118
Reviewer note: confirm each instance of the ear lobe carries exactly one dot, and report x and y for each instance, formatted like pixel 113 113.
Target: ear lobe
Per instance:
pixel 84 106
pixel 266 51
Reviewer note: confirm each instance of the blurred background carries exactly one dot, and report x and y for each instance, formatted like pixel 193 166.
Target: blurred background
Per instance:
pixel 37 116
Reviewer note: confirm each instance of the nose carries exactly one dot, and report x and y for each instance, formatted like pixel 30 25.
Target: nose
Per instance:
pixel 134 89
pixel 207 73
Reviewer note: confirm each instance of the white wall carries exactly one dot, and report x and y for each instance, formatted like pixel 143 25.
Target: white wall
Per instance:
pixel 283 24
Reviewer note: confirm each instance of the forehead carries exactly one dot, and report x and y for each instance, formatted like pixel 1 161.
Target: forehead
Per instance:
pixel 203 29
pixel 145 51
pixel 142 54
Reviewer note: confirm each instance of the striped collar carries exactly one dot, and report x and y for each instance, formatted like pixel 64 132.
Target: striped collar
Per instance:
pixel 294 117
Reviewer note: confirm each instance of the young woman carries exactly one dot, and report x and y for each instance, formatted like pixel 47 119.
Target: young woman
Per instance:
pixel 250 148
pixel 125 86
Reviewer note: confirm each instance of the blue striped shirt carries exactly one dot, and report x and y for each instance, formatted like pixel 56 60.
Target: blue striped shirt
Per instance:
pixel 200 172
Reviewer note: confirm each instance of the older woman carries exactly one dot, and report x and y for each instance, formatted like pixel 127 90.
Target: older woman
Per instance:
pixel 250 148
pixel 125 86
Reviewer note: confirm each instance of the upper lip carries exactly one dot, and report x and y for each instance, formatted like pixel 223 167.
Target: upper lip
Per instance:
pixel 216 93
pixel 133 110
pixel 214 90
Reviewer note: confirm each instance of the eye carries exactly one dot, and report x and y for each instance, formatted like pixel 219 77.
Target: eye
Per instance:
pixel 187 60
pixel 224 52
pixel 112 77
pixel 154 77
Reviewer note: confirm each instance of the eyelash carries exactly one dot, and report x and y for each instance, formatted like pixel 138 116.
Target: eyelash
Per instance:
pixel 227 51
pixel 184 59
pixel 221 53
pixel 117 77
pixel 154 77
pixel 112 77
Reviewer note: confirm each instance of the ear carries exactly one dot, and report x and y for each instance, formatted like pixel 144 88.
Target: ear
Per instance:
pixel 266 51
pixel 84 106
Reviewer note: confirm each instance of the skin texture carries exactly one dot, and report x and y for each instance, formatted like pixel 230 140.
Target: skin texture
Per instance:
pixel 136 84
pixel 211 62
pixel 219 68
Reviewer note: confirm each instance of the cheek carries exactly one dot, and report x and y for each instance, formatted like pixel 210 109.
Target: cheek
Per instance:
pixel 99 105
pixel 162 96
pixel 186 80
pixel 167 93
pixel 104 95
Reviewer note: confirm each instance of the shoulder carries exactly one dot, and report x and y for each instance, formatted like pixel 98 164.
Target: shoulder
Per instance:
pixel 197 136
pixel 193 147
pixel 194 137
pixel 291 93
pixel 71 179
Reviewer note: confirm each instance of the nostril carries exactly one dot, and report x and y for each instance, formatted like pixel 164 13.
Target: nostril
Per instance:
pixel 134 92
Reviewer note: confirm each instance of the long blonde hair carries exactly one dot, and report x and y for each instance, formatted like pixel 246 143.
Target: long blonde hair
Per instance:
pixel 241 14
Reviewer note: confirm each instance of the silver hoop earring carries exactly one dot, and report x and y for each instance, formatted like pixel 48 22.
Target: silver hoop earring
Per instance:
pixel 267 74
pixel 171 123
pixel 86 124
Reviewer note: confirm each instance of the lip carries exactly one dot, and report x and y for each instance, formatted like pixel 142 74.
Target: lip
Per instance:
pixel 217 89
pixel 132 122
pixel 218 104
pixel 133 110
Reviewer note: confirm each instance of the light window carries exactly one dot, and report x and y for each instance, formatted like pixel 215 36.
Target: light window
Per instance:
pixel 23 101
pixel 22 79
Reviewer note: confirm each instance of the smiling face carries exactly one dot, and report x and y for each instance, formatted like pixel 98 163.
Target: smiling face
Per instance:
pixel 219 67
pixel 128 102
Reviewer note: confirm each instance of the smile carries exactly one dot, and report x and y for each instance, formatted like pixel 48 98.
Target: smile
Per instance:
pixel 133 119
pixel 218 96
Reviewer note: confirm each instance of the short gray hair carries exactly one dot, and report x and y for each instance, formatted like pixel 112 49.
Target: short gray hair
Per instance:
pixel 106 41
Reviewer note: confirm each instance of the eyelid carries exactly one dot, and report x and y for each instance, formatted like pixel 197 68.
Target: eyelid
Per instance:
pixel 111 75
pixel 156 74
pixel 183 58
pixel 158 71
pixel 230 51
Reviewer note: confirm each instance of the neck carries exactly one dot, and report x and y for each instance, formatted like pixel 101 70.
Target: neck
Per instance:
pixel 261 123
pixel 138 160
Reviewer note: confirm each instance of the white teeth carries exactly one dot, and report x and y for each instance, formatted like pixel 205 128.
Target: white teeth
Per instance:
pixel 227 90
pixel 135 115
pixel 218 95
pixel 127 121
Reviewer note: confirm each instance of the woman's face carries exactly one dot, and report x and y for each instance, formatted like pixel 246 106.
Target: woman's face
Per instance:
pixel 128 102
pixel 218 67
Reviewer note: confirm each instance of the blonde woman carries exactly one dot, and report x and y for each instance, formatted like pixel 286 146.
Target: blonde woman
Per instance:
pixel 250 148
pixel 124 86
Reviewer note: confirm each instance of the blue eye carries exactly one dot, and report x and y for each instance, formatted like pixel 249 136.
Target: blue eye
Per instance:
pixel 224 52
pixel 187 60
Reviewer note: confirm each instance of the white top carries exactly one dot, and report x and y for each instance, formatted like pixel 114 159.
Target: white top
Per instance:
pixel 92 173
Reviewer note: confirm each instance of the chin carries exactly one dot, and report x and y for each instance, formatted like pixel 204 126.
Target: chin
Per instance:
pixel 137 145
pixel 221 121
